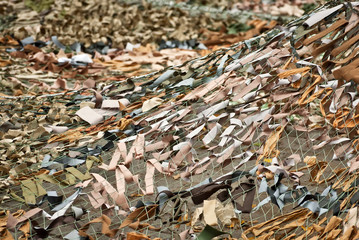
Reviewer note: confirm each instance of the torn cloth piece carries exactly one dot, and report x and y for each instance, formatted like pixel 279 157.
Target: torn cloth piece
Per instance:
pixel 209 213
pixel 118 197
pixel 89 115
pixel 106 222
pixel 203 192
pixel 243 188
pixel 151 103
pixel 140 214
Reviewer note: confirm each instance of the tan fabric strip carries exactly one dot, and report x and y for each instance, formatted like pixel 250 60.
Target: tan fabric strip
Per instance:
pixel 325 32
pixel 345 60
pixel 347 44
pixel 349 72
pixel 325 47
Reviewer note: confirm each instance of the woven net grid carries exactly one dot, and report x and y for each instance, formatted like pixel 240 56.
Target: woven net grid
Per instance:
pixel 258 140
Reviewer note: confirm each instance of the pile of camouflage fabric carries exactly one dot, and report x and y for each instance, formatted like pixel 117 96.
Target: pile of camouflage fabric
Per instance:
pixel 261 7
pixel 110 22
pixel 258 140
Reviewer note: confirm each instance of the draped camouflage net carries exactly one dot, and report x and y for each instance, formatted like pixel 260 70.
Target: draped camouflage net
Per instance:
pixel 257 141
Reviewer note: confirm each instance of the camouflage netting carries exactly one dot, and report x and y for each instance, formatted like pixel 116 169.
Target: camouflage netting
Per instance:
pixel 258 140
pixel 112 22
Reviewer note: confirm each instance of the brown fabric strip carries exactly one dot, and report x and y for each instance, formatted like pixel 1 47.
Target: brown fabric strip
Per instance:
pixel 254 84
pixel 237 192
pixel 339 23
pixel 347 72
pixel 303 98
pixel 139 226
pixel 140 214
pixel 248 202
pixel 202 90
pixel 342 61
pixel 247 137
pixel 203 192
pixel 325 47
pixel 106 222
pixel 182 154
pixel 344 46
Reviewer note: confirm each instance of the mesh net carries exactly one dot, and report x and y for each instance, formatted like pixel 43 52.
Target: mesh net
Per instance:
pixel 258 140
